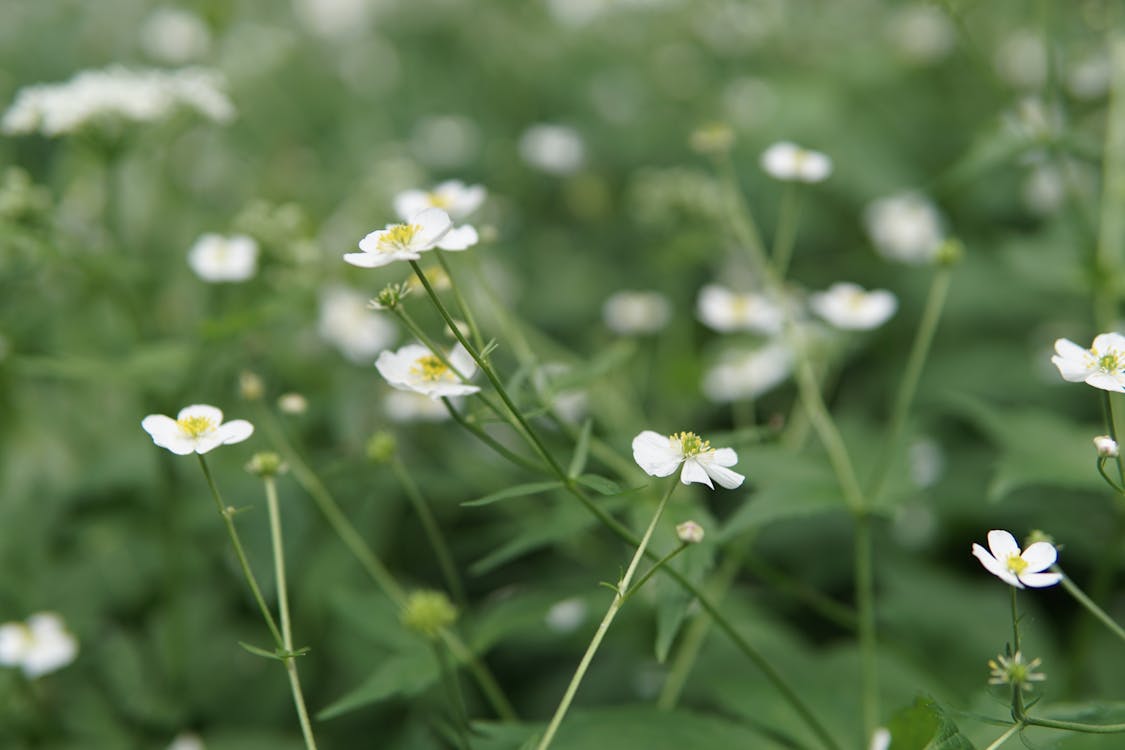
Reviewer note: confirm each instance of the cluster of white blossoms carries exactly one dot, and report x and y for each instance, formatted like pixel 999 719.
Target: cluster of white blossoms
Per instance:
pixel 217 259
pixel 660 456
pixel 198 428
pixel 116 94
pixel 38 646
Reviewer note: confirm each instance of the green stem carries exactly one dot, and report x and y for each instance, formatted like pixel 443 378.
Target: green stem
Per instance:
pixel 865 606
pixel 283 610
pixel 618 601
pixel 1006 736
pixel 1111 231
pixel 432 530
pixel 466 311
pixel 1088 603
pixel 236 542
pixel 923 338
pixel 785 237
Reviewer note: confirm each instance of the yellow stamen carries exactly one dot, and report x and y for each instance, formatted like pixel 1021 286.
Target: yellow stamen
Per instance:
pixel 429 367
pixel 196 426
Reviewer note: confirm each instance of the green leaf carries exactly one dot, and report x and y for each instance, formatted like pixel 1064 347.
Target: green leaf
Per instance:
pixel 601 485
pixel 581 450
pixel 521 490
pixel 925 726
pixel 402 674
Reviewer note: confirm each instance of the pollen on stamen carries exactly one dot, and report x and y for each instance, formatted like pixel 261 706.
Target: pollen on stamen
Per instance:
pixel 195 426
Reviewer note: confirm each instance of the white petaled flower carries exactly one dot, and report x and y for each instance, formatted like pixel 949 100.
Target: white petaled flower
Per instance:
pixel 1106 446
pixel 216 258
pixel 660 456
pixel 452 196
pixel 848 306
pixel 905 227
pixel 1102 365
pixel 38 646
pixel 748 374
pixel 416 368
pixel 632 312
pixel 198 428
pixel 116 94
pixel 725 311
pixel 555 149
pixel 402 241
pixel 788 161
pixel 348 323
pixel 1004 560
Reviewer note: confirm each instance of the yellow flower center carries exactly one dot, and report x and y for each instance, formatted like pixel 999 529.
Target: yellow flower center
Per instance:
pixel 437 200
pixel 429 367
pixel 196 426
pixel 1016 564
pixel 690 443
pixel 398 237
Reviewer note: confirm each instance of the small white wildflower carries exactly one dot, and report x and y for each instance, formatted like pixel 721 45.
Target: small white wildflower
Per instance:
pixel 789 162
pixel 175 36
pixel 725 311
pixel 689 532
pixel 347 323
pixel 402 241
pixel 198 428
pixel 38 646
pixel 416 368
pixel 631 313
pixel 849 307
pixel 1102 365
pixel 554 149
pixel 567 615
pixel 660 456
pixel 747 375
pixel 905 227
pixel 404 407
pixel 216 258
pixel 1004 560
pixel 186 741
pixel 1106 446
pixel 292 403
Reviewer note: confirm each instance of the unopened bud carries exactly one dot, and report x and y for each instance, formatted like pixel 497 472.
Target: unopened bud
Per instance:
pixel 266 464
pixel 250 386
pixel 381 447
pixel 689 532
pixel 1106 446
pixel 428 613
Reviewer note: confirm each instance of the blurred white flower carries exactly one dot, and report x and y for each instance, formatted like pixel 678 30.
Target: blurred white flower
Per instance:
pixel 749 374
pixel 416 368
pixel 452 196
pixel 631 313
pixel 1021 60
pixel 905 227
pixel 351 326
pixel 660 456
pixel 198 428
pixel 788 161
pixel 216 258
pixel 921 33
pixel 555 149
pixel 1106 446
pixel 1004 560
pixel 38 646
pixel 1102 365
pixel 725 311
pixel 186 741
pixel 402 241
pixel 334 19
pixel 848 306
pixel 567 615
pixel 405 407
pixel 116 93
pixel 175 36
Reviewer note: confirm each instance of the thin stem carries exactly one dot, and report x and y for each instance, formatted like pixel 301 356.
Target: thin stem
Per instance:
pixel 453 692
pixel 461 304
pixel 1088 603
pixel 618 601
pixel 241 554
pixel 865 606
pixel 283 610
pixel 432 530
pixel 923 338
pixel 787 222
pixel 1006 736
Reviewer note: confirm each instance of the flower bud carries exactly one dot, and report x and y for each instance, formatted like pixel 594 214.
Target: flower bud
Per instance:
pixel 293 403
pixel 1106 446
pixel 689 532
pixel 428 613
pixel 381 447
pixel 266 464
pixel 250 386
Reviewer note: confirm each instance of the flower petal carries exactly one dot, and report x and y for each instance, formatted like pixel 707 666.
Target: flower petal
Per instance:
pixel 1002 544
pixel 1040 580
pixel 694 472
pixel 656 454
pixel 1039 556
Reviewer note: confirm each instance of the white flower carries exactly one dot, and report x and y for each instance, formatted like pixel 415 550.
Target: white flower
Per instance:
pixel 689 532
pixel 216 258
pixel 116 93
pixel 186 741
pixel 788 161
pixel 725 311
pixel 748 374
pixel 404 407
pixel 904 227
pixel 416 368
pixel 1102 365
pixel 1106 446
pixel 452 196
pixel 402 241
pixel 848 306
pixel 175 36
pixel 1004 560
pixel 38 646
pixel 555 149
pixel 351 326
pixel 631 312
pixel 196 429
pixel 660 456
